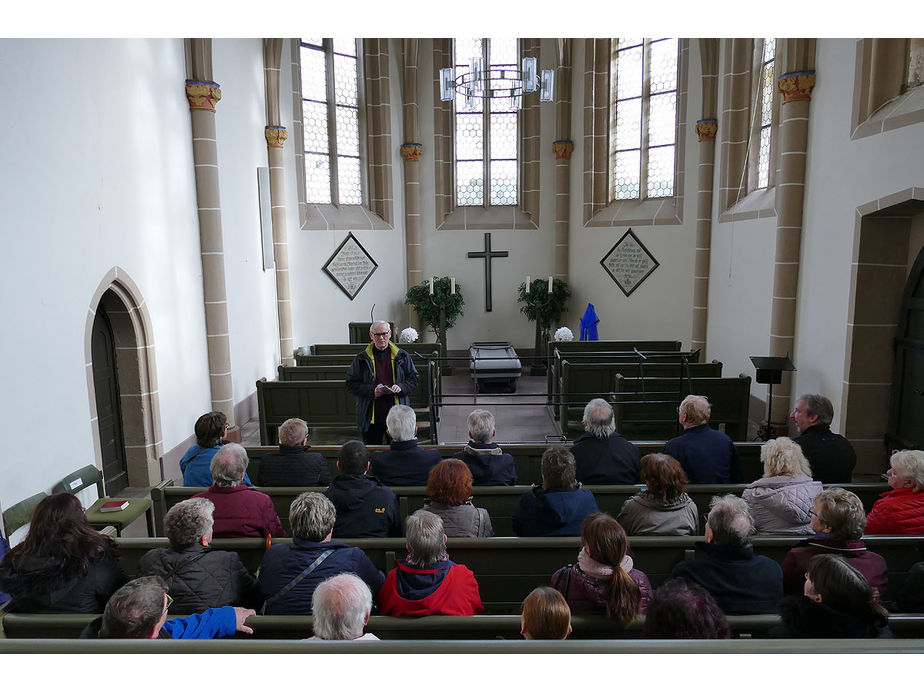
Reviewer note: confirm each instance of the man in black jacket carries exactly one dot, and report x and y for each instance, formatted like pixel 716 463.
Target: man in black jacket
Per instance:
pixel 365 507
pixel 830 455
pixel 602 456
pixel 405 463
pixel 293 464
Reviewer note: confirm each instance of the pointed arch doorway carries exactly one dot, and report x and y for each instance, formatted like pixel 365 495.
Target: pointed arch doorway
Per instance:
pixel 108 406
pixel 906 420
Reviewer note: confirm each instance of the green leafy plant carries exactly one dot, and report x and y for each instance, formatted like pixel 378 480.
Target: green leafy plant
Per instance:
pixel 537 305
pixel 418 297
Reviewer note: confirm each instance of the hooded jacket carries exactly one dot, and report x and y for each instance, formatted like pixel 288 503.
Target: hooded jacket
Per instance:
pixel 365 507
pixel 293 466
pixel 200 578
pixel 41 585
pixel 360 381
pixel 782 504
pixel 242 511
pixel 643 514
pixel 444 587
pixel 795 564
pixel 900 511
pixel 490 466
pixel 556 512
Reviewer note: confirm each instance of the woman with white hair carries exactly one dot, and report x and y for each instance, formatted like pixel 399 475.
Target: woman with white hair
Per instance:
pixel 901 510
pixel 427 583
pixel 781 501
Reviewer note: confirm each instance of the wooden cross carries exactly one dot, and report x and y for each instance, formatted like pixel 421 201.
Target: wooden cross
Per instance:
pixel 488 255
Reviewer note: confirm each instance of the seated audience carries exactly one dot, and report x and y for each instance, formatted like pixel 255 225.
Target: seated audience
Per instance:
pixel 683 610
pixel 240 511
pixel 365 506
pixel 449 495
pixel 195 464
pixel 293 464
pixel 603 581
pixel 837 602
pixel 138 610
pixel 290 573
pixel 197 577
pixel 340 608
pixel 545 615
pixel 663 507
pixel 405 463
pixel 901 510
pixel 63 565
pixel 707 455
pixel 911 597
pixel 558 507
pixel 601 455
pixel 838 520
pixel 741 581
pixel 831 456
pixel 781 501
pixel 490 466
pixel 427 583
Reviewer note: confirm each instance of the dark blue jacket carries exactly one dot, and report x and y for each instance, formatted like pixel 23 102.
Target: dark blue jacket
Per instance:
pixel 282 562
pixel 741 581
pixel 831 456
pixel 707 455
pixel 613 460
pixel 365 507
pixel 293 466
pixel 195 466
pixel 553 513
pixel 489 468
pixel 360 381
pixel 405 464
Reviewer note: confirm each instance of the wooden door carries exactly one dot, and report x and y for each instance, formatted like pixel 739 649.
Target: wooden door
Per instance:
pixel 108 407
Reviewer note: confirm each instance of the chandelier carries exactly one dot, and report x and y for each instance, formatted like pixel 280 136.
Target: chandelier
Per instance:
pixel 496 83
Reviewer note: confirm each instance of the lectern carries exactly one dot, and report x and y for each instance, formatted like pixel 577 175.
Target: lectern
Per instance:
pixel 770 371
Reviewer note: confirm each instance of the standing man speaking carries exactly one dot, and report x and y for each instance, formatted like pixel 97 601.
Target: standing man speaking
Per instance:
pixel 380 377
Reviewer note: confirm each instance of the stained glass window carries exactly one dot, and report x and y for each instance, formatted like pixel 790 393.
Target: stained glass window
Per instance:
pixel 643 117
pixel 330 106
pixel 765 94
pixel 486 130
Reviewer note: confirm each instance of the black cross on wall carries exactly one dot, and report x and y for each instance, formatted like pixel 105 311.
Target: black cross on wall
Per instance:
pixel 488 255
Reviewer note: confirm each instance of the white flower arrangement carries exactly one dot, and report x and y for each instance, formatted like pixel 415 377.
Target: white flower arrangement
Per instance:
pixel 408 335
pixel 563 334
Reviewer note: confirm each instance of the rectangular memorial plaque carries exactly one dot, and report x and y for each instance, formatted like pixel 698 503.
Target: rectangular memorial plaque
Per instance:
pixel 350 266
pixel 629 263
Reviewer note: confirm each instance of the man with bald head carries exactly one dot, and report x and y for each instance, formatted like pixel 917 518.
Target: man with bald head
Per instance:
pixel 381 376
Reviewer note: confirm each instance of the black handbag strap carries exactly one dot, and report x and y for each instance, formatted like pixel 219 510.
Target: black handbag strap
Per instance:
pixel 568 570
pixel 298 578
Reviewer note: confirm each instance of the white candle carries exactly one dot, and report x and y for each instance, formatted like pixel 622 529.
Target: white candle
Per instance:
pixel 452 286
pixel 550 285
pixel 431 286
pixel 527 283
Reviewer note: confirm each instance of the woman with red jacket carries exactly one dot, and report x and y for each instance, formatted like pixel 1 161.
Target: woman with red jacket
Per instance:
pixel 901 510
pixel 427 583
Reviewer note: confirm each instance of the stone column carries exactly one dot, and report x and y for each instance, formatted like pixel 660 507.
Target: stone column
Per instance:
pixel 410 153
pixel 203 94
pixel 563 146
pixel 796 88
pixel 275 138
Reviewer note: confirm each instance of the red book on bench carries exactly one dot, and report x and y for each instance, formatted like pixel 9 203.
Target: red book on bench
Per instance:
pixel 113 506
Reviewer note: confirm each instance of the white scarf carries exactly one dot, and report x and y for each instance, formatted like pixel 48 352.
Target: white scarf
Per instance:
pixel 600 571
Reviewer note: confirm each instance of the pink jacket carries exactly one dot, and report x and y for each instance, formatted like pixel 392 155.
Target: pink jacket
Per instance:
pixel 900 511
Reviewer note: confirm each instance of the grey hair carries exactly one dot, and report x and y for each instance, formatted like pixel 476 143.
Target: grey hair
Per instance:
pixel 426 542
pixel 377 323
pixel 229 464
pixel 730 520
pixel 292 432
pixel 783 457
pixel 401 423
pixel 134 609
pixel 481 425
pixel 697 409
pixel 842 511
pixel 598 419
pixel 340 607
pixel 312 516
pixel 189 520
pixel 820 406
pixel 909 464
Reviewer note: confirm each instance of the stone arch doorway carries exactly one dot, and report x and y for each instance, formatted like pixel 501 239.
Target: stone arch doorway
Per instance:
pixel 117 306
pixel 906 415
pixel 889 238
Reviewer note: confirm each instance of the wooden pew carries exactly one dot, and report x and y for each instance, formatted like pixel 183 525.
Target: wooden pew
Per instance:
pixel 649 405
pixel 353 349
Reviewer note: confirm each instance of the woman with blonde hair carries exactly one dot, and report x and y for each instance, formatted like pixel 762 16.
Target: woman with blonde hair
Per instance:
pixel 604 581
pixel 901 510
pixel 781 501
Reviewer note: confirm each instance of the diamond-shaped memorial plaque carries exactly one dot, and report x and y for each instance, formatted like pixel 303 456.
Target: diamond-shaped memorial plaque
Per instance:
pixel 629 263
pixel 350 266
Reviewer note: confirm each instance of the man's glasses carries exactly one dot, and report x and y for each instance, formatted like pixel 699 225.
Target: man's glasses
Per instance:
pixel 380 334
pixel 169 602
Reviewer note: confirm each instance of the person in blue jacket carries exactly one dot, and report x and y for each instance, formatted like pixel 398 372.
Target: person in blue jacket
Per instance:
pixel 138 610
pixel 210 429
pixel 559 506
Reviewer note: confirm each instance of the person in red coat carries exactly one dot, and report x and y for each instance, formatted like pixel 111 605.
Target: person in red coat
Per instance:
pixel 240 511
pixel 901 510
pixel 427 583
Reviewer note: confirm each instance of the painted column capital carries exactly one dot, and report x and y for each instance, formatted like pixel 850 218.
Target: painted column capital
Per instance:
pixel 797 86
pixel 411 151
pixel 276 135
pixel 706 129
pixel 202 95
pixel 563 149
